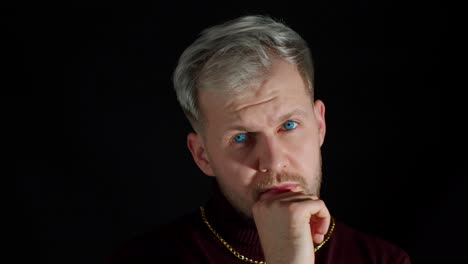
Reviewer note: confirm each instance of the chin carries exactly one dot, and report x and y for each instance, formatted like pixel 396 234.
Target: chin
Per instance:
pixel 244 208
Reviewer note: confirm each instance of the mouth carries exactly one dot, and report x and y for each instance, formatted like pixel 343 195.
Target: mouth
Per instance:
pixel 275 190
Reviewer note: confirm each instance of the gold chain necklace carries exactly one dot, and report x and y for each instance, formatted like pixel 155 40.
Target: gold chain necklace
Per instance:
pixel 246 259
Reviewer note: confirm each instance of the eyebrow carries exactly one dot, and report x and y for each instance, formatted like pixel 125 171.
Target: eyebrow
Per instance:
pixel 295 112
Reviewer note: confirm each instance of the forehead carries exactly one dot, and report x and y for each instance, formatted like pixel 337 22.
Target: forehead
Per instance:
pixel 282 90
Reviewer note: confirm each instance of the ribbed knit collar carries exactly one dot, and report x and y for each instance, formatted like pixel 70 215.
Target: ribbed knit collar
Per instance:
pixel 237 231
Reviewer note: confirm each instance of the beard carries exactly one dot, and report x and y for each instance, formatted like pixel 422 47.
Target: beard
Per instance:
pixel 243 202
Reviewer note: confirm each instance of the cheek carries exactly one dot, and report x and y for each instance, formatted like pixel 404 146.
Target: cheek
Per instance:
pixel 232 171
pixel 306 152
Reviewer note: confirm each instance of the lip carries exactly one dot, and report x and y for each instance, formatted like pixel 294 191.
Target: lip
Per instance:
pixel 287 187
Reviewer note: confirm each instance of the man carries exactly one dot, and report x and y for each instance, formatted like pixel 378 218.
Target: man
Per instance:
pixel 246 86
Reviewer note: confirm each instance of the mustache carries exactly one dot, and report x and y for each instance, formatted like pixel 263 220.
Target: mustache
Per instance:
pixel 271 180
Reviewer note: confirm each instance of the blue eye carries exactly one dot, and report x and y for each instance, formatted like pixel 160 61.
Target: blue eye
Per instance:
pixel 239 138
pixel 288 125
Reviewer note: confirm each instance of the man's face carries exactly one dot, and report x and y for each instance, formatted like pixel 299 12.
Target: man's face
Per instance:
pixel 269 137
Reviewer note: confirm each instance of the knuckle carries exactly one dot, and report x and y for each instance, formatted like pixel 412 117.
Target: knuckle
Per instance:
pixel 320 203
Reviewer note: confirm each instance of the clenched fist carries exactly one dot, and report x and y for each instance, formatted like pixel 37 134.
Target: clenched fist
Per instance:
pixel 289 223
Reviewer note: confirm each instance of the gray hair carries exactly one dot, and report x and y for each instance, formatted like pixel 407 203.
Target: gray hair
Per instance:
pixel 235 55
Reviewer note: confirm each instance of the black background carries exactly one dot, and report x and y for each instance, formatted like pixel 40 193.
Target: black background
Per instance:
pixel 97 139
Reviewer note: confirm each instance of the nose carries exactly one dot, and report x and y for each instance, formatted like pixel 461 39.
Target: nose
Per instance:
pixel 271 155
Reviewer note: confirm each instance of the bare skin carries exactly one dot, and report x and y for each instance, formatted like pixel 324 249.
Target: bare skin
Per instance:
pixel 289 224
pixel 264 150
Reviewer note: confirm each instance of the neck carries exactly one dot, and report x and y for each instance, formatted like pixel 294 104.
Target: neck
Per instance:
pixel 237 229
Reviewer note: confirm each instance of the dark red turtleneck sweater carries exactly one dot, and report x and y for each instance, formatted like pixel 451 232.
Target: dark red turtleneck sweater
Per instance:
pixel 188 240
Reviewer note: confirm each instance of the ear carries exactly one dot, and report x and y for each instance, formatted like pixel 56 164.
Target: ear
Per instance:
pixel 319 109
pixel 200 156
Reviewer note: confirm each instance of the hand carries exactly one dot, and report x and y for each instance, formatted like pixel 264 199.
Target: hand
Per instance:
pixel 289 224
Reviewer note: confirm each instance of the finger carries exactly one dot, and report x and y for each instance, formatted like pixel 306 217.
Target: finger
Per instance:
pixel 314 211
pixel 319 220
pixel 314 197
pixel 267 196
pixel 318 238
pixel 299 195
